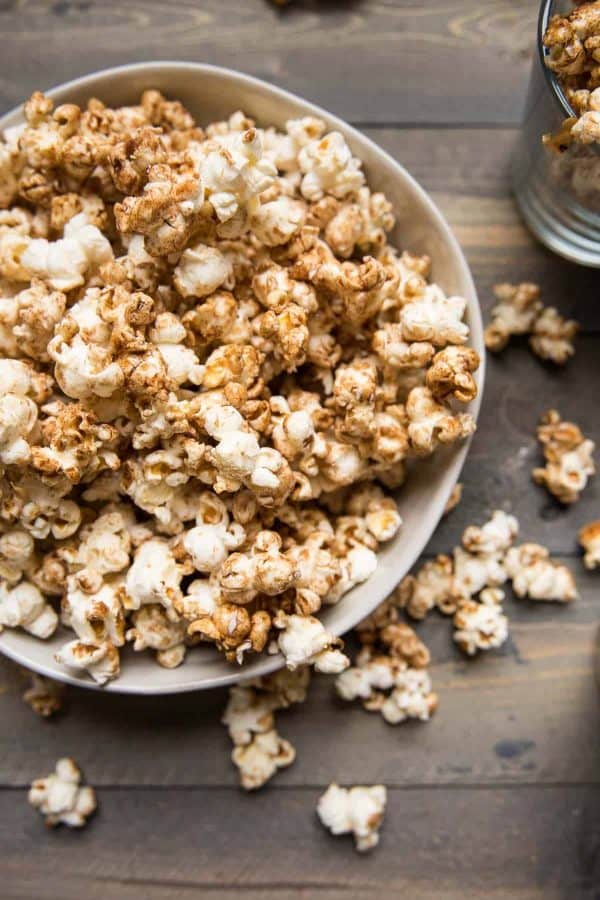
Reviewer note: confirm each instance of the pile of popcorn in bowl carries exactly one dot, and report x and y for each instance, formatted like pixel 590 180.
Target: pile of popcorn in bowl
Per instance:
pixel 214 372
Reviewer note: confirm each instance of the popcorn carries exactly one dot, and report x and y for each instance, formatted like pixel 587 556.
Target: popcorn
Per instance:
pixel 450 374
pixel 24 607
pixel 569 458
pixel 152 628
pixel 552 336
pixel 481 625
pixel 44 696
pixel 538 577
pixel 431 423
pixel 214 371
pixel 259 760
pixel 520 311
pixel 154 577
pixel 589 538
pixel 411 698
pixel 201 270
pixel 60 797
pixel 431 587
pixel 328 167
pixel 101 661
pixel 304 641
pixel 518 307
pixel 358 811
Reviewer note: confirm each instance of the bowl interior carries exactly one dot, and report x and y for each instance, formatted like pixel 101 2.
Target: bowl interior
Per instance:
pixel 210 94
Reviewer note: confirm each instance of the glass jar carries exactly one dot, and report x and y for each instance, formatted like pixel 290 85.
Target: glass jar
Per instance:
pixel 558 192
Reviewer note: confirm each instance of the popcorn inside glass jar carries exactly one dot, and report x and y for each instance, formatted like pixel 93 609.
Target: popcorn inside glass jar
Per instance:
pixel 215 372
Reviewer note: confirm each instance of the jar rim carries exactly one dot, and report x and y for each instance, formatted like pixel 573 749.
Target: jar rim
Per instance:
pixel 550 76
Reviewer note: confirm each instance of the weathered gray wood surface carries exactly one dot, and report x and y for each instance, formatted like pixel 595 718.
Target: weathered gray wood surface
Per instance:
pixel 498 797
pixel 452 61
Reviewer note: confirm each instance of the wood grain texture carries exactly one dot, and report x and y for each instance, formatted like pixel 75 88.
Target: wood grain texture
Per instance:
pixel 367 60
pixel 436 844
pixel 527 714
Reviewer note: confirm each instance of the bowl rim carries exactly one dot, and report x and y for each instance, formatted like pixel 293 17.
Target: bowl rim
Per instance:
pixel 270 663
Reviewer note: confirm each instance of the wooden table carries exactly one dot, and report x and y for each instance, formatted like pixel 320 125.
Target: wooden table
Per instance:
pixel 499 795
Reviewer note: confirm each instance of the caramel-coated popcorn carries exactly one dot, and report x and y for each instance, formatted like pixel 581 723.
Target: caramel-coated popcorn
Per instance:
pixel 213 371
pixel 569 458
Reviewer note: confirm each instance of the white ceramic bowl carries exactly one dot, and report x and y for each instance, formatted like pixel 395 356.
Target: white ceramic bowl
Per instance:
pixel 211 93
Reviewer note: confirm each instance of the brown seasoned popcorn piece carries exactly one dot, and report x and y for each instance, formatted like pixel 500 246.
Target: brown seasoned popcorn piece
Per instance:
pixel 571 40
pixel 589 538
pixel 44 695
pixel 394 351
pixel 450 374
pixel 234 630
pixel 39 311
pixel 431 587
pixel 75 445
pixel 432 423
pixel 552 336
pixel 569 458
pixel 518 307
pixel 263 570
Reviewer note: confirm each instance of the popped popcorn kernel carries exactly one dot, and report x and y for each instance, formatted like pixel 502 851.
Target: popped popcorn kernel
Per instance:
pixel 61 798
pixel 358 811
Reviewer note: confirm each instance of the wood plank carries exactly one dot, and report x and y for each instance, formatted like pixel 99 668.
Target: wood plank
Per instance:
pixel 434 844
pixel 371 61
pixel 527 714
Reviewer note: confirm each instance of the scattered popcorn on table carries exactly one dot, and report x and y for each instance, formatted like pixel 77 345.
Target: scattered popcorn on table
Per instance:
pixel 358 811
pixel 259 751
pixel 480 624
pixel 61 798
pixel 569 458
pixel 520 311
pixel 589 538
pixel 535 575
pixel 43 695
pixel 552 336
pixel 214 372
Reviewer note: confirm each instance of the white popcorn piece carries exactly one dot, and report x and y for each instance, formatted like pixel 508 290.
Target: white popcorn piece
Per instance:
pixel 214 536
pixel 481 625
pixel 233 172
pixel 154 577
pixel 474 571
pixel 248 713
pixel 153 629
pixel 328 167
pixel 358 811
pixel 259 760
pixel 411 697
pixel 61 798
pixel 101 661
pixel 24 606
pixel 589 538
pixel 362 681
pixel 18 412
pixel 496 536
pixel 569 458
pixel 535 575
pixel 201 270
pixel 93 609
pixel 436 319
pixel 64 263
pixel 305 641
pixel 276 222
